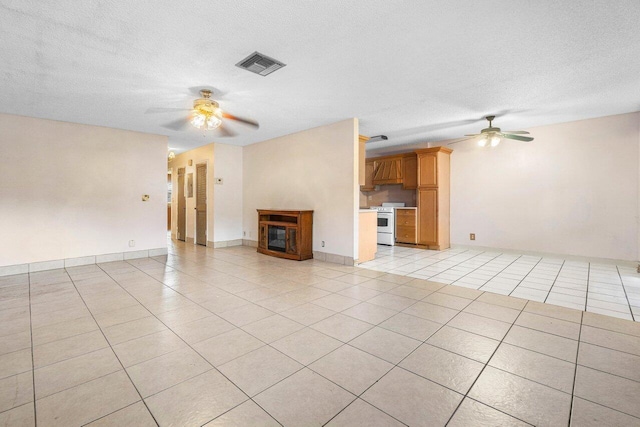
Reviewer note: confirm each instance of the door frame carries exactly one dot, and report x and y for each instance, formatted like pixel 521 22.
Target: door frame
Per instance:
pixel 170 172
pixel 181 189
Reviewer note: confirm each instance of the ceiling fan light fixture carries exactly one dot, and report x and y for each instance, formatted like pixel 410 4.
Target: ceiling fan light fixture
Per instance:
pixel 495 140
pixel 482 142
pixel 206 120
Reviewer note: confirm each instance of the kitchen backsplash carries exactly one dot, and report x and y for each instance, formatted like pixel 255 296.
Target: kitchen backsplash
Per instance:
pixel 387 193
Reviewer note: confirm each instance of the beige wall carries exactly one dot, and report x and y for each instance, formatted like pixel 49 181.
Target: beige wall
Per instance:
pixel 574 190
pixel 314 169
pixel 69 190
pixel 228 195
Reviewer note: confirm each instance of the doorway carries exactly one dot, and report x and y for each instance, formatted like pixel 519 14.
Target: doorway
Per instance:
pixel 182 207
pixel 169 190
pixel 201 204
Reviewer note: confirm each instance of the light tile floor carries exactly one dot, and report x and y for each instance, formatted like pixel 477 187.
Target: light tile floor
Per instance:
pixel 608 289
pixel 231 337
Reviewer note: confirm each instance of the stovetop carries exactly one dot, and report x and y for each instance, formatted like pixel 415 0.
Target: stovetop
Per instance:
pixel 388 207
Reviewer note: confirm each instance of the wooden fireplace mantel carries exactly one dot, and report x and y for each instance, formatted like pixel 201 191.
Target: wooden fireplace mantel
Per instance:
pixel 285 233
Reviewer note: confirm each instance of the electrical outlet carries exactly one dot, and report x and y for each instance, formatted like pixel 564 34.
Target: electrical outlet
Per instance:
pixel 323 243
pixel 132 243
pixel 472 236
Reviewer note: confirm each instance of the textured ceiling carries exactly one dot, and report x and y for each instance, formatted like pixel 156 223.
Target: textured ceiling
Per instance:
pixel 415 71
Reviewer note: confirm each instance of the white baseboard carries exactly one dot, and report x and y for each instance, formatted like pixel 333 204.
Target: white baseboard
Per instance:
pixel 597 260
pixel 319 256
pixel 225 243
pixel 251 243
pixel 10 270
pixel 333 258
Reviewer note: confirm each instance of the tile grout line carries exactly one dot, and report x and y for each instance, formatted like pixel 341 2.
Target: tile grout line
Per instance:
pixel 586 296
pixel 575 371
pixel 554 282
pixel 494 276
pixel 525 276
pixel 33 365
pixel 472 271
pixel 111 348
pixel 105 416
pixel 633 317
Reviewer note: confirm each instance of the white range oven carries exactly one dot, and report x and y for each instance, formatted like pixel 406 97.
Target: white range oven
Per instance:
pixel 386 222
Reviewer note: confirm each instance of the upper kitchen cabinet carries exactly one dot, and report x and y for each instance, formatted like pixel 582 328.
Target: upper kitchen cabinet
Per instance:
pixel 410 171
pixel 369 167
pixel 395 169
pixel 428 169
pixel 387 170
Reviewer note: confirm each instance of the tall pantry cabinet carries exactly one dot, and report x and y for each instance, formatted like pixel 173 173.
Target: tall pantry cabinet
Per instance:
pixel 434 166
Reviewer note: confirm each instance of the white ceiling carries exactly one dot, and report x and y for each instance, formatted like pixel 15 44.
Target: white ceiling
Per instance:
pixel 413 70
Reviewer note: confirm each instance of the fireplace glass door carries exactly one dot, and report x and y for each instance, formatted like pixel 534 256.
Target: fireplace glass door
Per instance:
pixel 277 238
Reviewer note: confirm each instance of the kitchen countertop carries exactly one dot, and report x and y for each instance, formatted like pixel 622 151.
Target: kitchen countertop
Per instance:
pixel 367 210
pixel 408 207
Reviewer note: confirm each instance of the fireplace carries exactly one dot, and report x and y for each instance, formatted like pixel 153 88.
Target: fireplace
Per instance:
pixel 285 233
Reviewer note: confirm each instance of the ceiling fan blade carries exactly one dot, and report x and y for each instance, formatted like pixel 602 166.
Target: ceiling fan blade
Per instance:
pixel 517 137
pixel 516 132
pixel 461 139
pixel 475 134
pixel 225 131
pixel 178 125
pixel 241 120
pixel 157 110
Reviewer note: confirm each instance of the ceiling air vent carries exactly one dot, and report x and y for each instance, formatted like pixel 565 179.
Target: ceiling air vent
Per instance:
pixel 260 64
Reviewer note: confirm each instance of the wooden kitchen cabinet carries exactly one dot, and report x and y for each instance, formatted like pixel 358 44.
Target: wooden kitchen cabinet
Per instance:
pixel 428 207
pixel 406 226
pixel 428 170
pixel 387 170
pixel 396 169
pixel 434 165
pixel 369 167
pixel 410 171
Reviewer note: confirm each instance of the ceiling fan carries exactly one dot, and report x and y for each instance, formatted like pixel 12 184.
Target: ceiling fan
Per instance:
pixel 493 135
pixel 206 114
